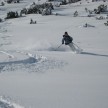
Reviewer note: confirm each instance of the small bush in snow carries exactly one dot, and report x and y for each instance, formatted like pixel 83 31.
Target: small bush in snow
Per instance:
pixel 11 15
pixel 106 24
pixel 13 1
pixel 64 2
pixel 101 8
pixel 44 9
pixel 1 20
pixel 2 4
pixel 75 13
pixel 32 22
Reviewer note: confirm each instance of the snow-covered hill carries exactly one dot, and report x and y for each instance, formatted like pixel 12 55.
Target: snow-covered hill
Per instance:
pixel 36 73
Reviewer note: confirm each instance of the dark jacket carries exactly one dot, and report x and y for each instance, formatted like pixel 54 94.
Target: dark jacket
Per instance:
pixel 67 39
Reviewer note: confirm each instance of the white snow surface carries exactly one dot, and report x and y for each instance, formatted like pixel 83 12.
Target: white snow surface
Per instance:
pixel 35 73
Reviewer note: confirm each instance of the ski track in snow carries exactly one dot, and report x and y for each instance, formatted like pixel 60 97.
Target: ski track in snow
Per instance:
pixel 4 37
pixel 32 63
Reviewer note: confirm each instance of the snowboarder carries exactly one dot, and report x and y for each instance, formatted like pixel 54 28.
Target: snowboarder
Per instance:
pixel 68 41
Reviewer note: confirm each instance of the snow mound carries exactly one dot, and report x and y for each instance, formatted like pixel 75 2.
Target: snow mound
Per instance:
pixel 4 103
pixel 28 62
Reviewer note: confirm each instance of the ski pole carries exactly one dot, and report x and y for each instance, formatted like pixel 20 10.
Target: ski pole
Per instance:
pixel 59 46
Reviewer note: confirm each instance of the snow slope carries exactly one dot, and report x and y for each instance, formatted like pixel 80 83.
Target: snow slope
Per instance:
pixel 35 73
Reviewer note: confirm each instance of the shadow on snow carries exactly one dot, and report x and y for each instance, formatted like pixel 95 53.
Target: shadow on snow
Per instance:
pixel 25 61
pixel 94 54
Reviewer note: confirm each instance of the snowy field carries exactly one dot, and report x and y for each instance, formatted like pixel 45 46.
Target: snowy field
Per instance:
pixel 35 73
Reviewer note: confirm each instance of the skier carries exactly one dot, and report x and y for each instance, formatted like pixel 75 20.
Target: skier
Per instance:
pixel 68 41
